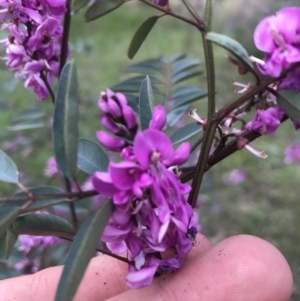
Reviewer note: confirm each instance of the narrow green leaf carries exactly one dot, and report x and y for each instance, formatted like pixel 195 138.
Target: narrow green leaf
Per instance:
pixel 28 125
pixel 29 114
pixel 42 225
pixel 186 132
pixel 140 36
pixel 91 157
pixel 39 204
pixel 130 87
pixel 146 103
pixel 189 98
pixel 65 123
pixel 82 250
pixel 133 101
pixel 101 8
pixel 78 5
pixel 184 75
pixel 232 46
pixel 8 169
pixel 184 90
pixel 185 64
pixel 176 115
pixel 177 57
pixel 289 102
pixel 138 79
pixel 7 242
pixel 152 66
pixel 7 215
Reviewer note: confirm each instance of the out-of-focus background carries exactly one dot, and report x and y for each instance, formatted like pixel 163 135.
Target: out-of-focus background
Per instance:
pixel 242 194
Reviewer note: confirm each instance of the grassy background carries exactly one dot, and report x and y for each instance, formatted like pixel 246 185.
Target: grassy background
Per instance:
pixel 266 205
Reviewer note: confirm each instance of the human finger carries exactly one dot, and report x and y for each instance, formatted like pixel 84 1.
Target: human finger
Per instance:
pixel 242 267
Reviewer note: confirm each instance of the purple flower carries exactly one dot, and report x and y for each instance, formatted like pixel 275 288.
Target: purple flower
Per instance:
pixel 159 118
pixel 34 44
pixel 51 168
pixel 266 121
pixel 292 154
pixel 279 37
pixel 236 176
pixel 151 212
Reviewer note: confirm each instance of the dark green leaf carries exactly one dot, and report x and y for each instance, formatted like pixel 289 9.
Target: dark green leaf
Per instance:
pixel 65 122
pixel 91 157
pixel 101 8
pixel 176 115
pixel 130 87
pixel 77 5
pixel 177 57
pixel 82 250
pixel 39 204
pixel 28 125
pixel 148 67
pixel 146 103
pixel 232 46
pixel 289 102
pixel 29 114
pixel 140 36
pixel 7 242
pixel 189 98
pixel 42 225
pixel 138 79
pixel 8 169
pixel 186 132
pixel 184 75
pixel 133 101
pixel 184 90
pixel 184 64
pixel 7 215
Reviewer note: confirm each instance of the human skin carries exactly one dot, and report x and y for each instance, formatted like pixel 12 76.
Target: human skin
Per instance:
pixel 239 268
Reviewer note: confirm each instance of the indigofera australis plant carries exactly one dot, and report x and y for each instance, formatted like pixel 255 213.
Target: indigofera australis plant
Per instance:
pixel 142 166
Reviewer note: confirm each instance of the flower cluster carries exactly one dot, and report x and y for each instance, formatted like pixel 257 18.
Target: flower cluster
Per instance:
pixel 279 37
pixel 151 214
pixel 33 46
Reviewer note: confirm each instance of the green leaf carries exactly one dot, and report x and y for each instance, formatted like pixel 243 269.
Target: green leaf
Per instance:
pixel 146 103
pixel 176 115
pixel 101 8
pixel 7 243
pixel 82 250
pixel 186 132
pixel 128 86
pixel 91 157
pixel 39 204
pixel 232 46
pixel 148 67
pixel 140 36
pixel 8 169
pixel 184 90
pixel 289 102
pixel 28 125
pixel 7 215
pixel 189 98
pixel 184 64
pixel 78 5
pixel 65 123
pixel 184 75
pixel 42 225
pixel 29 114
pixel 177 57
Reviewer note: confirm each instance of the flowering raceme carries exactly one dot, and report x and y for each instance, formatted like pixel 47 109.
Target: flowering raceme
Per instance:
pixel 33 46
pixel 151 212
pixel 279 37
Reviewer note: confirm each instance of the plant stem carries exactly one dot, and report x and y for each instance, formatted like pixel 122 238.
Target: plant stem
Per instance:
pixel 44 78
pixel 211 125
pixel 201 26
pixel 65 37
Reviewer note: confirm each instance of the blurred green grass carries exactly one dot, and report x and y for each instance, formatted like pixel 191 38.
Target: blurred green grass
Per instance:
pixel 266 204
